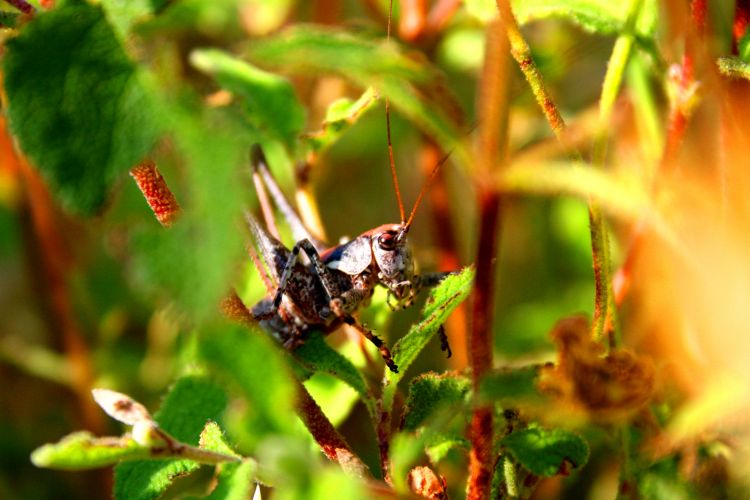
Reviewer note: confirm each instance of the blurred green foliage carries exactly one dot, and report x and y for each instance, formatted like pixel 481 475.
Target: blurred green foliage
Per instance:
pixel 92 88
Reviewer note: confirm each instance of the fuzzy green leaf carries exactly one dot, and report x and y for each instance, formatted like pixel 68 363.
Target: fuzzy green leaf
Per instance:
pixel 256 366
pixel 123 14
pixel 511 386
pixel 82 450
pixel 236 481
pixel 442 301
pixel 78 106
pixel 430 392
pixel 271 103
pixel 317 355
pixel 191 402
pixel 546 452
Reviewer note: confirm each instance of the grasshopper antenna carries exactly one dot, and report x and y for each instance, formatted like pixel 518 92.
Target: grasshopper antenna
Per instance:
pixel 388 129
pixel 424 189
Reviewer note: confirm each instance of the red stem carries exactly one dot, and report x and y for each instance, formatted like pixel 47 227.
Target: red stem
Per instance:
pixel 492 152
pixel 330 441
pixel 21 5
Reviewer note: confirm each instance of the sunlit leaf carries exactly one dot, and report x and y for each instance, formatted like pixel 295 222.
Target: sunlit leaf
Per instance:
pixel 547 452
pixel 340 116
pixel 193 262
pixel 270 100
pixel 190 403
pixel 235 480
pixel 82 450
pixel 79 107
pixel 317 355
pixel 442 302
pixel 123 14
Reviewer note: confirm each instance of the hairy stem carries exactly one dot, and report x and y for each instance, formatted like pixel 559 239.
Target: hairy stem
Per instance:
pixel 521 52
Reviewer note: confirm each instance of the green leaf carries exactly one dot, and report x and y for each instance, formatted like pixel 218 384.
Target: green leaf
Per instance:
pixel 271 103
pixel 430 392
pixel 256 366
pixel 9 19
pixel 414 87
pixel 193 263
pixel 317 355
pixel 191 402
pixel 511 386
pixel 78 106
pixel 123 14
pixel 340 116
pixel 442 301
pixel 597 16
pixel 546 452
pixel 235 480
pixel 82 450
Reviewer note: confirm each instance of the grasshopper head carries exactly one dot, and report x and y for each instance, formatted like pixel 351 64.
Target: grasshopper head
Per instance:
pixel 394 261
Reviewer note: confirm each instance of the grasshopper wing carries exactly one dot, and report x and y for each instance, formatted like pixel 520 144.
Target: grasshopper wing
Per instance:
pixel 351 258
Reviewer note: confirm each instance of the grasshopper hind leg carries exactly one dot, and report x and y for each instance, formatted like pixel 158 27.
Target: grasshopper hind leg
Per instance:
pixel 376 341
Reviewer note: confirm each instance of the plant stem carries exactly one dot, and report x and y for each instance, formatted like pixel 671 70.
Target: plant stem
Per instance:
pixel 330 441
pixel 604 323
pixel 492 152
pixel 521 52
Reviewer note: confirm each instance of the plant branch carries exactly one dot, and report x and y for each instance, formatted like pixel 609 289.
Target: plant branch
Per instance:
pixel 328 438
pixel 492 152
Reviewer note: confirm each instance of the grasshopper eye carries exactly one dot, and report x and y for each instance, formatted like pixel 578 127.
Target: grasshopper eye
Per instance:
pixel 387 241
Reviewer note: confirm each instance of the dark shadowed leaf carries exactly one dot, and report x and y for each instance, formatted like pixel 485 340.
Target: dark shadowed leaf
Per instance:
pixel 79 107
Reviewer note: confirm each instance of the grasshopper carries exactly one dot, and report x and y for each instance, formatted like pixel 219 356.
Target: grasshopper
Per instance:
pixel 337 281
